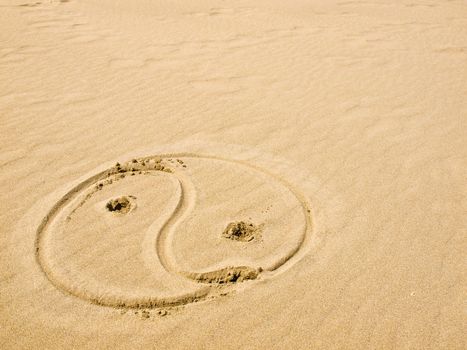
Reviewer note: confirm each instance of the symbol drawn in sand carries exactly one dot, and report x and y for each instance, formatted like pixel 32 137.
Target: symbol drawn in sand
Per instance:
pixel 188 228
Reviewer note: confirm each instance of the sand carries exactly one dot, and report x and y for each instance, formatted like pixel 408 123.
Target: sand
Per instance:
pixel 217 174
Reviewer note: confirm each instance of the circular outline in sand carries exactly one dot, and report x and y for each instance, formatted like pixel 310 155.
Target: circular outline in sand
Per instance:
pixel 155 301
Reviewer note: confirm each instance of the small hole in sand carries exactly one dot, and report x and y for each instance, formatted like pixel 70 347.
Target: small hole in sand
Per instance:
pixel 122 205
pixel 242 231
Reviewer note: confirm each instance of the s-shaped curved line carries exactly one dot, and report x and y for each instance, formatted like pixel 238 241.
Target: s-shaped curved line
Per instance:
pixel 186 194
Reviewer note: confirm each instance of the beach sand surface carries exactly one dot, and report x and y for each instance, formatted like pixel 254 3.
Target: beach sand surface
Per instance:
pixel 291 174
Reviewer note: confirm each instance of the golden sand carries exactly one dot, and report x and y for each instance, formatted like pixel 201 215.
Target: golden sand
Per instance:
pixel 217 174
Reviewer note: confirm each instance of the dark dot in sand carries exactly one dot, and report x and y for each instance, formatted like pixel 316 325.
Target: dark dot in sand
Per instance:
pixel 242 231
pixel 120 205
